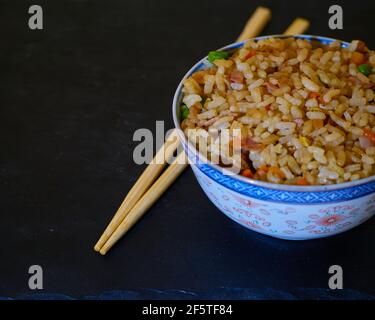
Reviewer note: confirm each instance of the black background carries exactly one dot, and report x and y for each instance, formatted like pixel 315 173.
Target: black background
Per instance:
pixel 71 97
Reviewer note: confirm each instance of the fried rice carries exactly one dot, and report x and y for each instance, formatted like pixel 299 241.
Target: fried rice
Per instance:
pixel 305 111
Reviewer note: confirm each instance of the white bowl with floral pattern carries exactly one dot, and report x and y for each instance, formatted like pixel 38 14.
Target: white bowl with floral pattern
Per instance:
pixel 283 211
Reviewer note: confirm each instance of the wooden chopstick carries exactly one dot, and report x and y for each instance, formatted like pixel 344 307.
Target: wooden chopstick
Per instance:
pixel 298 26
pixel 127 218
pixel 147 200
pixel 152 171
pixel 255 24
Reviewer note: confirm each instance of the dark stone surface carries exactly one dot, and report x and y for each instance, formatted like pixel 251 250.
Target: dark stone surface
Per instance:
pixel 71 97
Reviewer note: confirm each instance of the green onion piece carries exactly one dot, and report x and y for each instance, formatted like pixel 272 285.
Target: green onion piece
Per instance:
pixel 215 55
pixel 184 112
pixel 365 69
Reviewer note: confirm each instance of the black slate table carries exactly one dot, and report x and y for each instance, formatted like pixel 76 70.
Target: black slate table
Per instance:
pixel 72 96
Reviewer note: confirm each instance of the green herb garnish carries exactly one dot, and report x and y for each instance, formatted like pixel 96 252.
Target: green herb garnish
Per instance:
pixel 365 69
pixel 215 55
pixel 184 112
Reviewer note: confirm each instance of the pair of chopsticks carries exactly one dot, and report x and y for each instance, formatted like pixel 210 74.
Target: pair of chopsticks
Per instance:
pixel 147 190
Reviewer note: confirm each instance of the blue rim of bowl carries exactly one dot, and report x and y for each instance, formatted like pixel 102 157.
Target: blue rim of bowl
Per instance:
pixel 209 168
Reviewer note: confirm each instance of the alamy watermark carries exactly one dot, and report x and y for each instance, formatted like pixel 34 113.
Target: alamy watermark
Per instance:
pixel 222 147
pixel 36 279
pixel 336 21
pixel 336 281
pixel 36 18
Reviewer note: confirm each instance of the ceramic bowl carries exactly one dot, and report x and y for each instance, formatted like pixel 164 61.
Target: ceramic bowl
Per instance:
pixel 281 211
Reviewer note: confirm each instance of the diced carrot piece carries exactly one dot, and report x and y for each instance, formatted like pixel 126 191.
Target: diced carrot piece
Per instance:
pixel 277 171
pixel 369 134
pixel 247 173
pixel 262 170
pixel 358 58
pixel 317 123
pixel 302 182
pixel 251 53
pixel 313 95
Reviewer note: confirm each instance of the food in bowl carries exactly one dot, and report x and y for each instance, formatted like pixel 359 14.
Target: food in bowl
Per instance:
pixel 305 110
